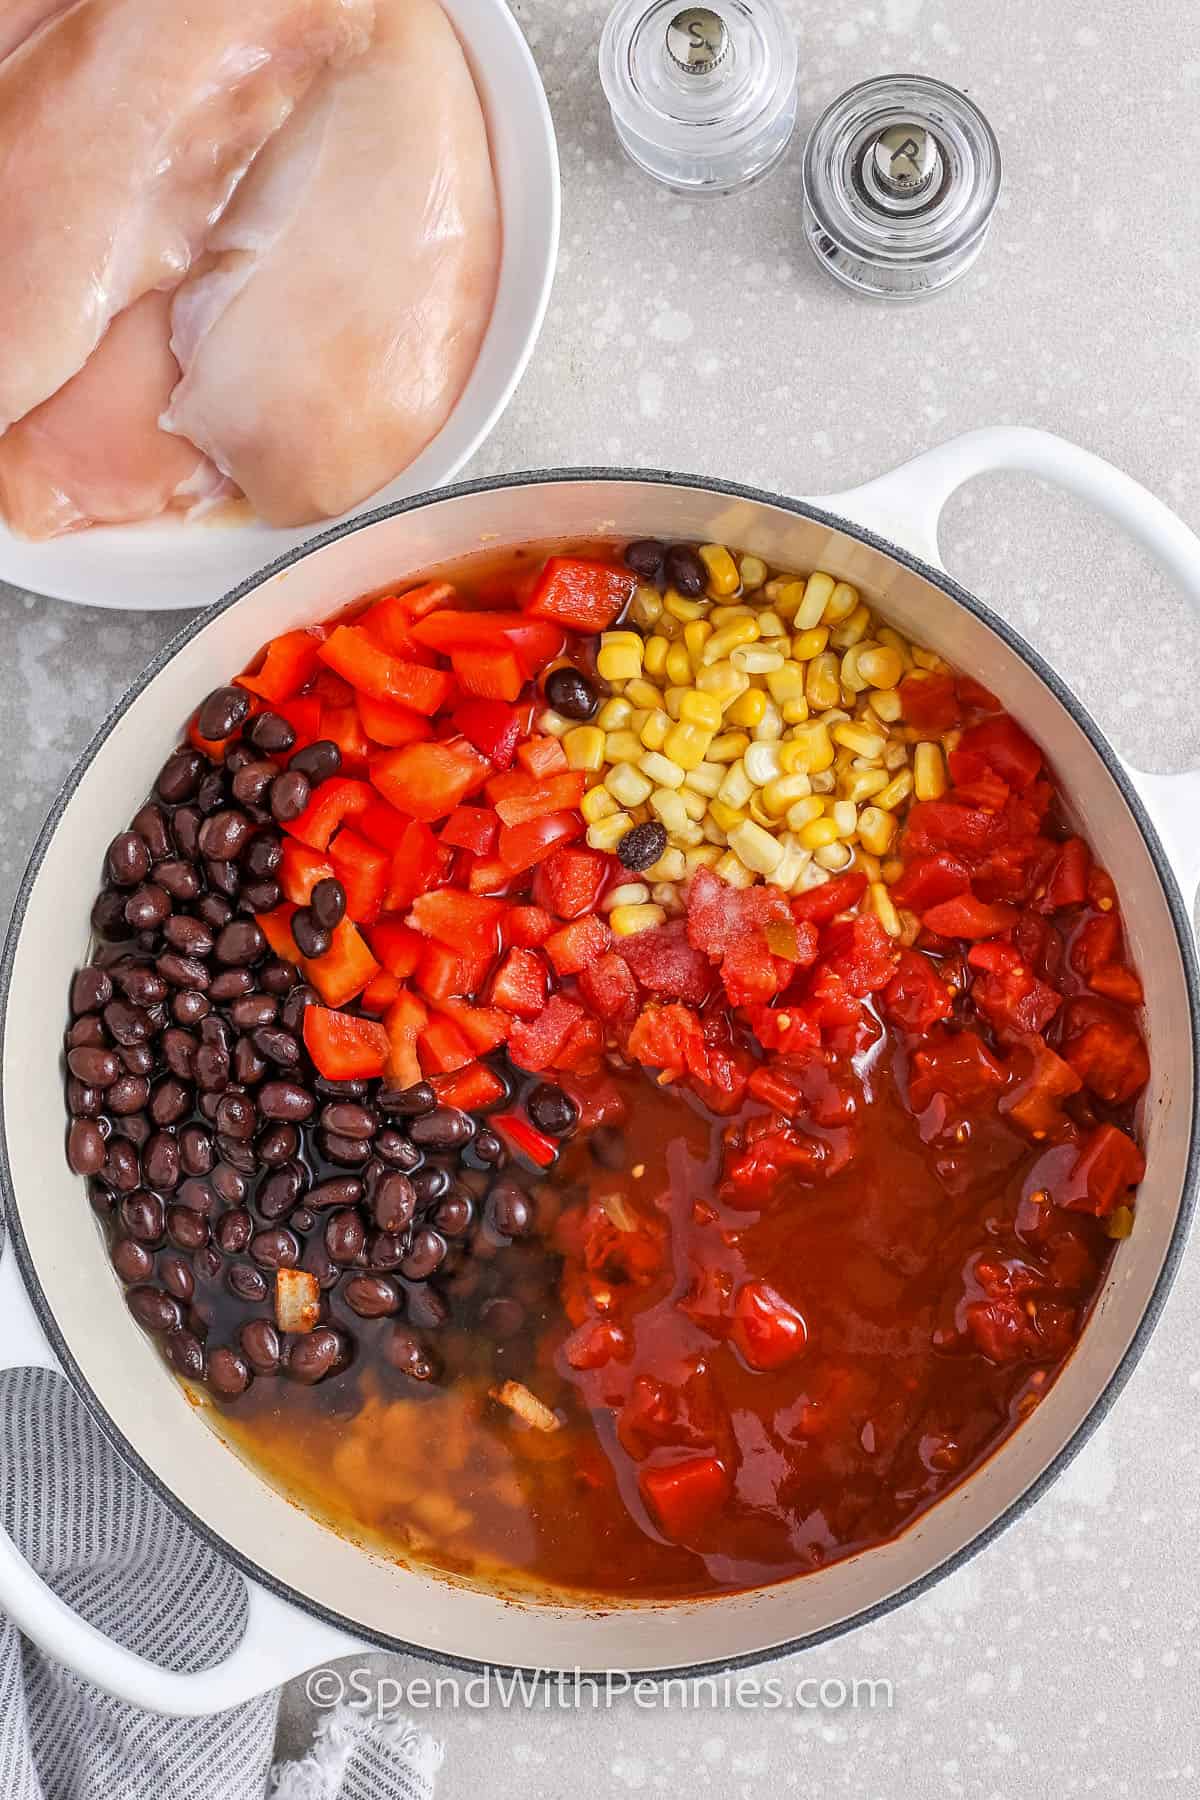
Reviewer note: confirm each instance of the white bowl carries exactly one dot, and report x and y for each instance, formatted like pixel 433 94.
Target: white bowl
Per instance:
pixel 166 564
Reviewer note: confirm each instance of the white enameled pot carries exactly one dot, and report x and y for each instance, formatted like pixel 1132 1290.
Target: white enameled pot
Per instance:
pixel 314 1594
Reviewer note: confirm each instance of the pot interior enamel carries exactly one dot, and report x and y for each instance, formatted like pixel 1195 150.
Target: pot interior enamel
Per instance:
pixel 131 1387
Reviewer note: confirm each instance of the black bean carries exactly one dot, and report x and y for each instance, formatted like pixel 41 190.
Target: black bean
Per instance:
pixel 261 1346
pixel 350 1119
pixel 502 1316
pixel 190 936
pixel 315 1355
pixel 208 1263
pixel 277 1145
pixel 108 917
pixel 607 1147
pixel 183 971
pixel 234 1229
pixel 426 1253
pixel 341 1090
pixel 180 880
pixel 345 1236
pixel 86 1147
pixel 180 775
pixel 426 1307
pixel 328 903
pixel 186 1227
pixel 552 1110
pixel 211 1067
pixel 127 1023
pixel 91 990
pixel 251 782
pixel 195 1150
pixel 286 1101
pixel 175 1273
pixel 160 1162
pixel 189 1006
pixel 371 1296
pixel 247 1283
pixel 138 1059
pixel 342 1190
pixel 135 1126
pixel 87 1033
pixel 346 1152
pixel 228 1373
pixel 408 1102
pixel 98 1068
pixel 140 982
pixel 264 853
pixel 231 984
pixel 229 1183
pixel 311 939
pixel 241 943
pixel 645 557
pixel 303 1219
pixel 642 846
pixel 261 896
pixel 445 1128
pixel 154 1310
pixel 148 906
pixel 170 1100
pixel 684 570
pixel 225 709
pixel 224 835
pixel 277 977
pixel 386 1250
pixel 570 693
pixel 186 1352
pixel 197 1193
pixel 291 1014
pixel 237 1152
pixel 488 1148
pixel 280 1191
pixel 248 1066
pixel 222 877
pixel 83 1102
pixel 509 1209
pixel 143 1216
pixel 405 1351
pixel 131 1260
pixel 393 1147
pixel 429 1185
pixel 279 1047
pixel 236 1116
pixel 270 733
pixel 122 1169
pixel 454 1214
pixel 394 1202
pixel 127 859
pixel 127 1094
pixel 185 828
pixel 275 1248
pixel 179 1049
pixel 215 911
pixel 317 762
pixel 290 794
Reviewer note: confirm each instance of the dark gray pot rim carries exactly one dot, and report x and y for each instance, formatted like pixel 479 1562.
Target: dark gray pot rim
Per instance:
pixel 1179 915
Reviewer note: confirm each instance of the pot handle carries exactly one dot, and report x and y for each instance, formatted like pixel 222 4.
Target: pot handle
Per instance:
pixel 279 1640
pixel 906 506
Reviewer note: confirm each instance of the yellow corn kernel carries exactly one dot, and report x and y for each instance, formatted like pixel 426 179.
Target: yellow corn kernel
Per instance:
pixel 852 682
pixel 802 812
pixel 770 625
pixel 758 812
pixel 861 784
pixel 630 893
pixel 734 871
pixel 667 895
pixel 627 920
pixel 687 745
pixel 761 763
pixel 721 614
pixel 728 638
pixel 755 847
pixel 619 657
pixel 769 729
pixel 646 606
pixel 910 927
pixel 728 747
pixel 951 740
pixel 895 756
pixel 844 814
pixel 655 660
pixel 643 695
pixel 710 831
pixel 654 732
pixel 867 864
pixel 809 750
pixel 627 785
pixel 794 712
pixel 705 779
pixel 695 636
pixel 810 643
pixel 779 795
pixel 786 683
pixel 834 857
pixel 661 771
pixel 673 700
pixel 822 689
pixel 699 708
pixel 638 717
pixel 702 856
pixel 737 786
pixel 725 817
pixel 598 804
pixel 823 781
pixel 881 904
pixel 876 829
pixel 668 628
pixel 892 869
pixel 882 667
pixel 681 608
pixel 787 597
pixel 817 590
pixel 679 665
pixel 896 792
pixel 885 704
pixel 756 659
pixel 723 577
pixel 816 834
pixel 859 741
pixel 929 772
pixel 606 834
pixel 748 708
pixel 667 806
pixel 842 601
pixel 753 571
pixel 852 629
pixel 929 659
pixel 688 835
pixel 694 805
pixel 671 866
pixel 812 875
pixel 723 682
pixel 584 748
pixel 615 714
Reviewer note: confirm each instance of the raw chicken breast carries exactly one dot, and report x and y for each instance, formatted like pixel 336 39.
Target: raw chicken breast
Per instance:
pixel 355 275
pixel 20 17
pixel 124 127
pixel 94 453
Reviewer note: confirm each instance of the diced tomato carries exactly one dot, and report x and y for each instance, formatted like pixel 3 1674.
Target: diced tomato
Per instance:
pixel 473 828
pixel 522 847
pixel 767 1329
pixel 346 967
pixel 577 945
pixel 666 965
pixel 1108 1165
pixel 581 593
pixel 525 1139
pixel 569 882
pixel 362 868
pixel 1103 1045
pixel 774 1089
pixel 442 1047
pixel 1044 1080
pixel 472 1089
pixel 379 993
pixel 300 869
pixel 396 946
pixel 542 755
pixel 1067 881
pixel 484 1027
pixel 820 904
pixel 669 1038
pixel 967 917
pixel 583 1047
pixel 916 998
pixel 344 1046
pixel 286 666
pixel 351 653
pixel 530 797
pixel 985 790
pixel 536 1042
pixel 609 988
pixel 1008 993
pixel 860 952
pixel 928 700
pixel 405 1022
pixel 975 697
pixel 520 984
pixel 332 803
pixel 787 1029
pixel 464 921
pixel 1005 748
pixel 1006 1332
pixel 276 927
pixel 1116 982
pixel 1096 944
pixel 682 1496
pixel 388 723
pixel 957 1064
pixel 488 674
pixel 928 880
pixel 443 973
pixel 491 727
pixel 942 825
pixel 526 926
pixel 427 781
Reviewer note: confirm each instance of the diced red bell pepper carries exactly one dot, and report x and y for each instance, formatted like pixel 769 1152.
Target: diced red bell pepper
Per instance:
pixel 767 1329
pixel 967 917
pixel 942 825
pixel 472 1089
pixel 332 803
pixel 860 952
pixel 518 798
pixel 820 904
pixel 488 674
pixel 351 653
pixel 346 967
pixel 522 847
pixel 404 1023
pixel 344 727
pixel 331 688
pixel 916 998
pixel 578 945
pixel 303 714
pixel 1103 1045
pixel 417 865
pixel 363 869
pixel 1108 1165
pixel 300 869
pixel 1044 1080
pixel 473 828
pixel 683 1496
pixel 609 988
pixel 569 882
pixel 383 824
pixel 520 984
pixel 388 723
pixel 542 756
pixel 526 926
pixel 286 666
pixel 1008 993
pixel 484 1027
pixel 344 1046
pixel 429 596
pixel 956 1064
pixel 443 973
pixel 379 993
pixel 442 1047
pixel 276 927
pixel 536 642
pixel 581 593
pixel 488 875
pixel 1067 884
pixel 390 620
pixel 427 781
pixel 397 946
pixel 464 921
pixel 928 700
pixel 928 880
pixel 525 1139
pixel 535 1043
pixel 1004 747
pixel 492 727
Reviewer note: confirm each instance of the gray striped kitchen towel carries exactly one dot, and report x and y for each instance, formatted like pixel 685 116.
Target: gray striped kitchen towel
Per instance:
pixel 111 1549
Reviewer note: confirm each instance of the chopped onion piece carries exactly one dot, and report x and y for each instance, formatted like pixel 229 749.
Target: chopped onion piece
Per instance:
pixel 297 1300
pixel 517 1397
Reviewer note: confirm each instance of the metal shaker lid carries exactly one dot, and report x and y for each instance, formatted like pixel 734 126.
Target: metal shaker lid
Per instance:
pixel 697 40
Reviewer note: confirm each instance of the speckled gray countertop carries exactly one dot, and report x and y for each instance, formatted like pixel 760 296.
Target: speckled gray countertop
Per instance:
pixel 1066 1658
